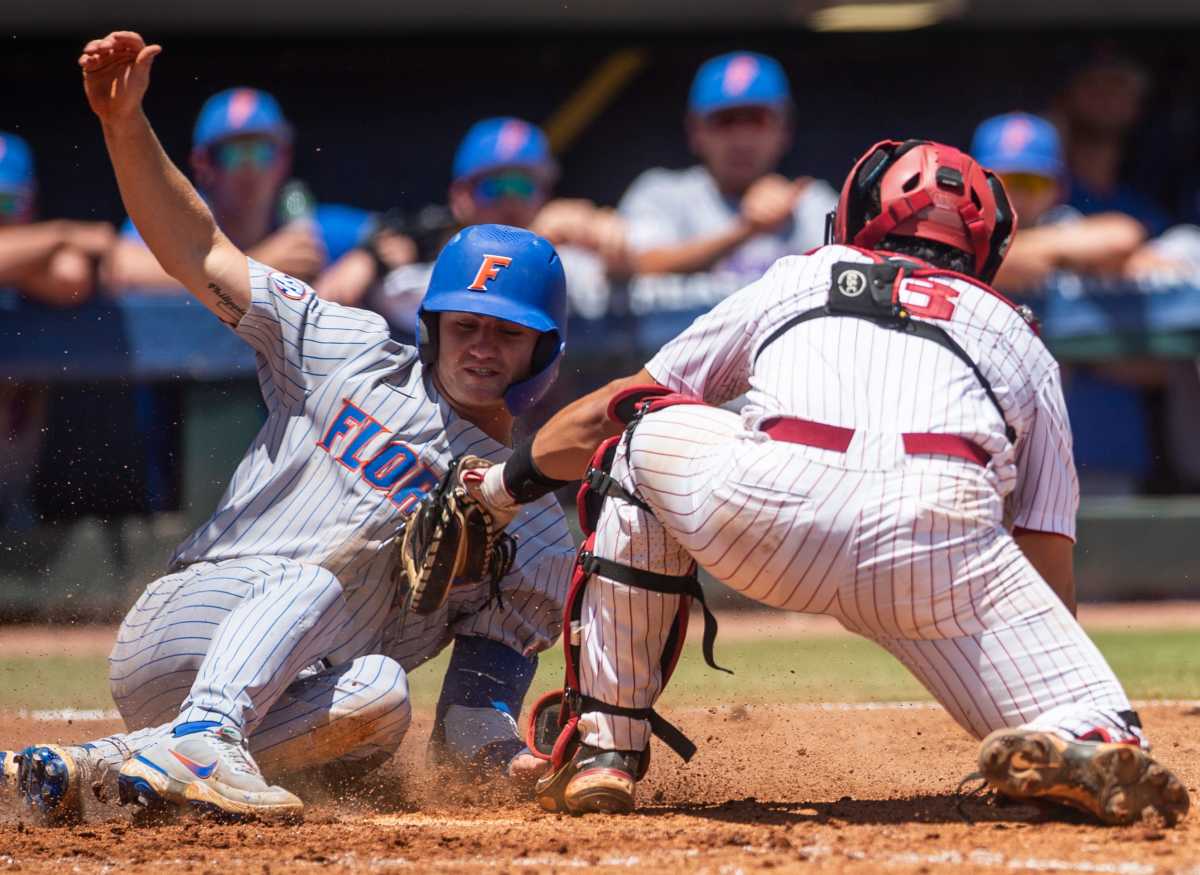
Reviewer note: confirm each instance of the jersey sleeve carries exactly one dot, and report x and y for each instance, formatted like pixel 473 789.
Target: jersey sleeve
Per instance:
pixel 1046 497
pixel 298 338
pixel 528 615
pixel 712 358
pixel 650 213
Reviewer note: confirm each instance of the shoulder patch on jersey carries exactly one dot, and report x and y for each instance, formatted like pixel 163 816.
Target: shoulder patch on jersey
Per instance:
pixel 288 286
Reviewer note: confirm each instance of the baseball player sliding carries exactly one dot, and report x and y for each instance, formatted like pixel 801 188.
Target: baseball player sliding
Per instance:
pixel 903 464
pixel 279 640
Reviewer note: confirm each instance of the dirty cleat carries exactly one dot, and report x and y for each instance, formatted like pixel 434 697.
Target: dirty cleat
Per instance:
pixel 592 781
pixel 207 768
pixel 49 779
pixel 9 761
pixel 1117 783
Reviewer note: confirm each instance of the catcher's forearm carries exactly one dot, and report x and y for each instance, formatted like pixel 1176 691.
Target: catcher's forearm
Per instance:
pixel 174 221
pixel 565 444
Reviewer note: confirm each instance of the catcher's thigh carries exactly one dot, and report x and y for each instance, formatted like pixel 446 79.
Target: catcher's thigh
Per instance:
pixel 938 582
pixel 352 712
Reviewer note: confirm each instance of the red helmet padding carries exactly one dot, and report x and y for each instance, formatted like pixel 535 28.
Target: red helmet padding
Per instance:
pixel 926 190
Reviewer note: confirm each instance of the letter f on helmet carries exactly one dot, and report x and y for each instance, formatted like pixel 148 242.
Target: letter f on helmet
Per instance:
pixel 489 269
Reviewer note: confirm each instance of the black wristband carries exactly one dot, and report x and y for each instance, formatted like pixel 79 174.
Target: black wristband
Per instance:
pixel 522 479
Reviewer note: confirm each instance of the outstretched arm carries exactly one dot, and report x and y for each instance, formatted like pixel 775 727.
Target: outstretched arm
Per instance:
pixel 173 220
pixel 564 445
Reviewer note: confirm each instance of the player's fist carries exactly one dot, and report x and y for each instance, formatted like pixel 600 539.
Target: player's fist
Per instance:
pixel 769 201
pixel 91 238
pixel 116 73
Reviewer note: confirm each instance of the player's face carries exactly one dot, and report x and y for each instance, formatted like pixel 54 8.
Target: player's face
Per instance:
pixel 480 357
pixel 243 173
pixel 741 144
pixel 508 196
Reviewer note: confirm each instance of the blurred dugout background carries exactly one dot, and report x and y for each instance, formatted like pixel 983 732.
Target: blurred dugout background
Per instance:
pixel 146 404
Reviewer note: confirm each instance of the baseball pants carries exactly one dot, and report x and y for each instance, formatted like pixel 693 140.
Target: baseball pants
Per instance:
pixel 272 646
pixel 907 551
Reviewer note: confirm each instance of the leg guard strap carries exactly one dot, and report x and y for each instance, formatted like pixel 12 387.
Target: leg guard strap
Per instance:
pixel 669 733
pixel 663 583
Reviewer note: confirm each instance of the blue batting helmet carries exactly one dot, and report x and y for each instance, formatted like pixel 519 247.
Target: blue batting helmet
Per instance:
pixel 506 273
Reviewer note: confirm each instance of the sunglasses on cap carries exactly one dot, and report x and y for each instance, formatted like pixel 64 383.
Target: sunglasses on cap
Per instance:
pixel 512 183
pixel 13 203
pixel 1029 183
pixel 236 154
pixel 750 116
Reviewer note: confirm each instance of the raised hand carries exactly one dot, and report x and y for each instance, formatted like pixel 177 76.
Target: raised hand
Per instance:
pixel 116 73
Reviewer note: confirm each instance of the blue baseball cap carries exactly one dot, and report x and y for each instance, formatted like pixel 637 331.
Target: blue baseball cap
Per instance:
pixel 507 273
pixel 1018 143
pixel 16 164
pixel 236 112
pixel 738 79
pixel 503 142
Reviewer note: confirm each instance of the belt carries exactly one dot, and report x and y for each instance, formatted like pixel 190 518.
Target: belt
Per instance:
pixel 833 437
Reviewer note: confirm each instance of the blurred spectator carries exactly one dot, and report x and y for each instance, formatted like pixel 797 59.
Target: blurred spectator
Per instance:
pixel 53 262
pixel 732 214
pixel 1097 110
pixel 241 159
pixel 1025 151
pixel 504 173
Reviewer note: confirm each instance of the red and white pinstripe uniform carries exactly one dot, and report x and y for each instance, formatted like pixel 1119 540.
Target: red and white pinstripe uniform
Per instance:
pixel 912 551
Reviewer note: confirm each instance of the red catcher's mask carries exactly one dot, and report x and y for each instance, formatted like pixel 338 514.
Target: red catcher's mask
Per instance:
pixel 926 190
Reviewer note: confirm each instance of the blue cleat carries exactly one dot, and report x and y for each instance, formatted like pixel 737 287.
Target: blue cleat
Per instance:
pixel 49 779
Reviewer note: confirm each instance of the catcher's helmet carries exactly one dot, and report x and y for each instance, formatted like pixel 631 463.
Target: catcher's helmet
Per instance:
pixel 506 273
pixel 927 190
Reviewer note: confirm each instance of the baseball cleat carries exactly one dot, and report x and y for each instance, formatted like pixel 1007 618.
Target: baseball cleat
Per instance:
pixel 594 781
pixel 9 762
pixel 207 769
pixel 49 778
pixel 1118 783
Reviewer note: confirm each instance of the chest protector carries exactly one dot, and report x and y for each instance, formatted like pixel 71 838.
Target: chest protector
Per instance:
pixel 871 291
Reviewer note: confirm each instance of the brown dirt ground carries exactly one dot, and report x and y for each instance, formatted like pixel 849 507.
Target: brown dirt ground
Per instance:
pixel 783 788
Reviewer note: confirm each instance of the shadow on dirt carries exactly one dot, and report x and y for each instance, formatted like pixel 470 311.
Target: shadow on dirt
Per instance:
pixel 933 808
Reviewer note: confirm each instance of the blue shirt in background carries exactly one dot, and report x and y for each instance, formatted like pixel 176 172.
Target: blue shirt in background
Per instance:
pixel 341 228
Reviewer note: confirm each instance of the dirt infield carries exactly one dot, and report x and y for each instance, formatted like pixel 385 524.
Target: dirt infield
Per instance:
pixel 799 788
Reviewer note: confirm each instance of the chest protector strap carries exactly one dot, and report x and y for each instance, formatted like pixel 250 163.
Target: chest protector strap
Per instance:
pixel 553 725
pixel 871 292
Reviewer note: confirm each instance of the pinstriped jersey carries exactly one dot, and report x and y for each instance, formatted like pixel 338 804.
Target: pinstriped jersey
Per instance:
pixel 355 435
pixel 882 383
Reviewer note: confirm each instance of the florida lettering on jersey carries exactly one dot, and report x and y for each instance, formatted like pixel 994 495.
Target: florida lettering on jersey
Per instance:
pixel 391 466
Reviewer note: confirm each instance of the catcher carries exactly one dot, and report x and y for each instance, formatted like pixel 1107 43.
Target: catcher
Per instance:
pixel 903 464
pixel 280 640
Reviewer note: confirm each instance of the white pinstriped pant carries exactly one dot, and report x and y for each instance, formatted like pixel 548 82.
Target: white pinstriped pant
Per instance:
pixel 911 554
pixel 242 641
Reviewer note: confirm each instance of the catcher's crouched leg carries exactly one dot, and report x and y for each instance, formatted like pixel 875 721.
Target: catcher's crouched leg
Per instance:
pixel 626 618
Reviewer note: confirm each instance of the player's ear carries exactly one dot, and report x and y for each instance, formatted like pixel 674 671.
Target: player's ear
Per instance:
pixel 462 202
pixel 202 168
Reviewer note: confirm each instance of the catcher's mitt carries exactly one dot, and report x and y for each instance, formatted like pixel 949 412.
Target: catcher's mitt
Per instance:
pixel 453 537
